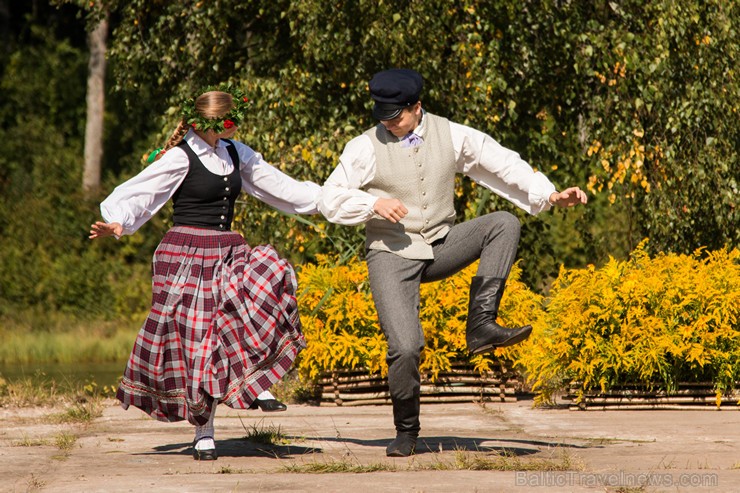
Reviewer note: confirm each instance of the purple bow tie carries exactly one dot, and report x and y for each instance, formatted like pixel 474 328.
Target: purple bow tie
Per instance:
pixel 411 140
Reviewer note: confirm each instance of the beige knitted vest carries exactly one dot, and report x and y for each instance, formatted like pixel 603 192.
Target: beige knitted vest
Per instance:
pixel 423 178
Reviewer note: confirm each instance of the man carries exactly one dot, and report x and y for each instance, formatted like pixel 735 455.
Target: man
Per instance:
pixel 398 178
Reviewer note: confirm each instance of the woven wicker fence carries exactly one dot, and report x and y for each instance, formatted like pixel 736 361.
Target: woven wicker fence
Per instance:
pixel 459 384
pixel 687 396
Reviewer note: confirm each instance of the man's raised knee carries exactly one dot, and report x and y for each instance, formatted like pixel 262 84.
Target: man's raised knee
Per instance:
pixel 506 222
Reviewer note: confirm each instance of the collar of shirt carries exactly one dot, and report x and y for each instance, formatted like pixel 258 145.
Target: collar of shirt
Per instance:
pixel 416 137
pixel 215 159
pixel 419 130
pixel 200 146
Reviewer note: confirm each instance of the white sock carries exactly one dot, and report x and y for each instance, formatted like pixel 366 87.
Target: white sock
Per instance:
pixel 265 396
pixel 205 444
pixel 207 430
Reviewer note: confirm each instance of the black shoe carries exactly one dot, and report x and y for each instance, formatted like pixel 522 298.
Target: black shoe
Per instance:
pixel 403 446
pixel 268 405
pixel 483 333
pixel 206 454
pixel 499 337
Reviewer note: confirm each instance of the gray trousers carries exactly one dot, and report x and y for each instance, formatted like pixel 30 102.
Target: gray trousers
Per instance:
pixel 395 281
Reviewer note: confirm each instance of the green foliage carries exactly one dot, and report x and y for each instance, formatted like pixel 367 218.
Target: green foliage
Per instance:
pixel 662 126
pixel 47 260
pixel 636 100
pixel 630 98
pixel 39 135
pixel 192 43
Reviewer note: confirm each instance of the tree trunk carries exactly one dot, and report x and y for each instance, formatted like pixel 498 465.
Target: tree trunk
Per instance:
pixel 5 37
pixel 95 107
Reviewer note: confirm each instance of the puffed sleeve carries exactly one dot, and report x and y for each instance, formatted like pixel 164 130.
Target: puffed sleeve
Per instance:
pixel 135 201
pixel 270 185
pixel 343 201
pixel 499 169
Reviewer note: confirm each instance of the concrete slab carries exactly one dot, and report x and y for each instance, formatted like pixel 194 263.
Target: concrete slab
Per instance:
pixel 464 447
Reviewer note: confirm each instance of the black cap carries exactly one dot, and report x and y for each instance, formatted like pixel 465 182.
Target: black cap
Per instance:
pixel 393 90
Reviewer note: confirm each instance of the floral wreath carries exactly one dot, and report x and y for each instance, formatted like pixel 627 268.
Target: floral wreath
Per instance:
pixel 218 125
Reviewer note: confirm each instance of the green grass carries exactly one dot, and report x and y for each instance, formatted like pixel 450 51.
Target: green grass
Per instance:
pixel 465 460
pixel 40 390
pixel 338 466
pixel 35 483
pixel 64 340
pixel 64 441
pixel 264 435
pixel 82 412
pixel 462 460
pixel 30 442
pixel 31 391
pixel 231 470
pixel 31 337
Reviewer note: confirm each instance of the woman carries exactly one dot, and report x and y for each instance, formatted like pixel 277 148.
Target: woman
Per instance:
pixel 224 323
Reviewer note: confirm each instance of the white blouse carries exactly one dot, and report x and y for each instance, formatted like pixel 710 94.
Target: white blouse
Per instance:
pixel 135 201
pixel 477 155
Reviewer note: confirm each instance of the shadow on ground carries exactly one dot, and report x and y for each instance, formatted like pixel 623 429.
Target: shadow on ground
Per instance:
pixel 432 444
pixel 240 447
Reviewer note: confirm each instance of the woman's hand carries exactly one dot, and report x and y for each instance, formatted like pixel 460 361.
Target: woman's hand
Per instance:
pixel 569 197
pixel 100 230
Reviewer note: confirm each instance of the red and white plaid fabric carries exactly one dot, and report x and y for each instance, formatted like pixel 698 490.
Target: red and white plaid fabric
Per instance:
pixel 223 326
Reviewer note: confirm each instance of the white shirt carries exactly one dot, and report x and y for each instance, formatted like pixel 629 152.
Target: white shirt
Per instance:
pixel 134 202
pixel 477 155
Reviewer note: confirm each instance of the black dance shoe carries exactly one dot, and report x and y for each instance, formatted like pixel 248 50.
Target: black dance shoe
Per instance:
pixel 268 405
pixel 206 454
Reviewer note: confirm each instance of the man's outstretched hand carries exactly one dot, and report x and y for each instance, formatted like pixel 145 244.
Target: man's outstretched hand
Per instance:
pixel 569 197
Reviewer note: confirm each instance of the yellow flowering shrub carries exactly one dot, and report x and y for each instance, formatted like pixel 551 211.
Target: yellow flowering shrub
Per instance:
pixel 341 325
pixel 651 322
pixel 648 322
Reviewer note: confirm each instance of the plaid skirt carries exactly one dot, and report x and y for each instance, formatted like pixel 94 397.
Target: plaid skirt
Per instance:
pixel 223 326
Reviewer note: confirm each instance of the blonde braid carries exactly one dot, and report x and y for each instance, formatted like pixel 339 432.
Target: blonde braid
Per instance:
pixel 175 138
pixel 177 135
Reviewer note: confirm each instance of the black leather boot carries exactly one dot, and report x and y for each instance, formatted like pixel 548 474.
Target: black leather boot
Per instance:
pixel 406 419
pixel 482 332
